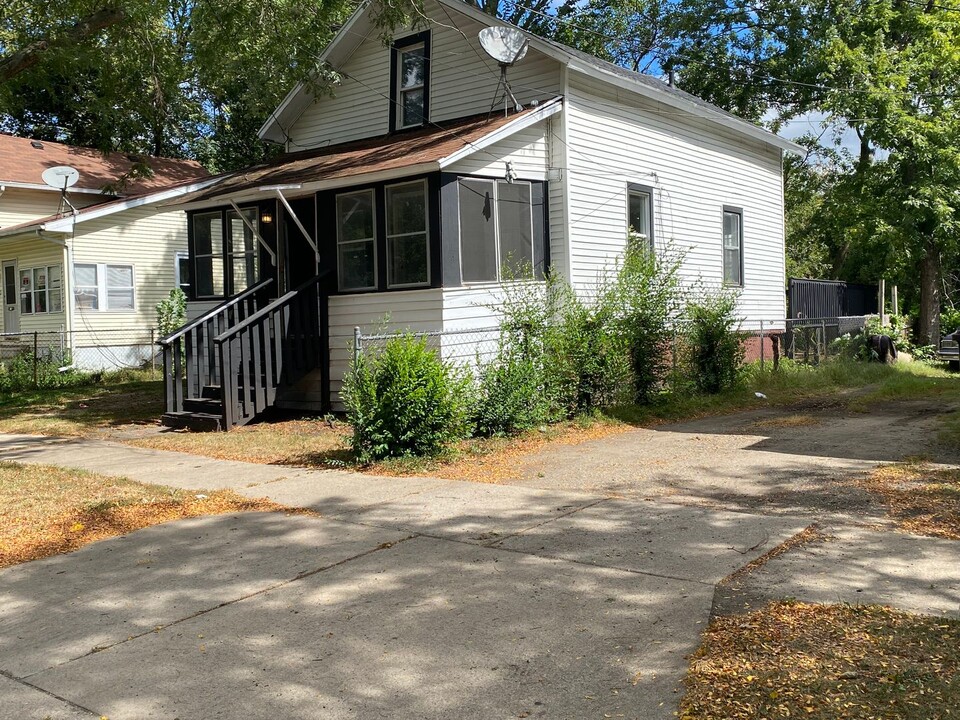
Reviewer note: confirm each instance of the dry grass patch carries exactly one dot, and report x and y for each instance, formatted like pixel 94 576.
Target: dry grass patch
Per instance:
pixel 825 662
pixel 786 421
pixel 304 443
pixel 88 411
pixel 46 510
pixel 920 499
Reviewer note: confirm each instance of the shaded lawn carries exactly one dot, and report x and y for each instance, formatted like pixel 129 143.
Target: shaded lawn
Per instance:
pixel 47 510
pixel 825 662
pixel 87 411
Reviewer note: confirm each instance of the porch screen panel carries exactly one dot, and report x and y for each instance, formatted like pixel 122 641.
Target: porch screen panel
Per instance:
pixel 356 241
pixel 478 231
pixel 208 253
pixel 515 221
pixel 244 257
pixel 407 248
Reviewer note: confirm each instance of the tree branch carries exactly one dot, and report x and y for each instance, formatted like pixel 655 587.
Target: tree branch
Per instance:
pixel 26 57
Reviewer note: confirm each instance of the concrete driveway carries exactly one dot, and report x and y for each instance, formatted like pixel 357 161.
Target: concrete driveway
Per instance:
pixel 427 598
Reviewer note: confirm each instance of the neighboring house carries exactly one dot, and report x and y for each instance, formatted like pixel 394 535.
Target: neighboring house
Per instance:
pixel 90 279
pixel 408 191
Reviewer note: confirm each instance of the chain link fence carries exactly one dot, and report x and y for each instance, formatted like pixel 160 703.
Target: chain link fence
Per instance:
pixel 91 350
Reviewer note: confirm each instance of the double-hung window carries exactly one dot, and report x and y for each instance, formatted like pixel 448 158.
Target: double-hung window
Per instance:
pixel 103 287
pixel 640 212
pixel 496 230
pixel 356 241
pixel 408 248
pixel 41 290
pixel 208 254
pixel 411 81
pixel 733 246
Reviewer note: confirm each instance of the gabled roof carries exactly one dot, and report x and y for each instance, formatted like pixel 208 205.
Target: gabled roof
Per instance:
pixel 22 161
pixel 65 223
pixel 359 25
pixel 426 149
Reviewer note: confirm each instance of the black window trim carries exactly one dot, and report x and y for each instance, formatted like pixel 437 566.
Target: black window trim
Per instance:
pixel 648 189
pixel 735 210
pixel 398 45
pixel 224 211
pixel 423 182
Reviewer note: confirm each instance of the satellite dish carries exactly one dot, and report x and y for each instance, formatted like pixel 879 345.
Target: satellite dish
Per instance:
pixel 506 45
pixel 61 177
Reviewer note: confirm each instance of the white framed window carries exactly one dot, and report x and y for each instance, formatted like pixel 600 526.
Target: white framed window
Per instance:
pixel 181 271
pixel 733 246
pixel 496 229
pixel 104 287
pixel 640 211
pixel 41 290
pixel 356 241
pixel 408 241
pixel 410 81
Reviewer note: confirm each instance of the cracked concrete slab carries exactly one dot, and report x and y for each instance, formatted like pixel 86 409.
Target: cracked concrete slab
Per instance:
pixel 23 702
pixel 472 512
pixel 693 543
pixel 63 607
pixel 859 566
pixel 425 629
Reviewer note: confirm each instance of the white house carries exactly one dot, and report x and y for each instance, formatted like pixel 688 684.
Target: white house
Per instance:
pixel 85 270
pixel 409 189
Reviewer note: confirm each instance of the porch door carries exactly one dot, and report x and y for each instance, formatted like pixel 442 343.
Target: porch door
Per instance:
pixel 300 262
pixel 11 307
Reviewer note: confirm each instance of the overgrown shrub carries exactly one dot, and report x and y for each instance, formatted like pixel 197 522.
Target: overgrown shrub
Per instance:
pixel 511 394
pixel 949 321
pixel 647 300
pixel 714 345
pixel 172 312
pixel 852 346
pixel 405 401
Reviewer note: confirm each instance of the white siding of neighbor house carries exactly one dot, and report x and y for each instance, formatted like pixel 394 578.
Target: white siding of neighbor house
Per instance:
pixel 20 205
pixel 463 82
pixel 144 238
pixel 695 169
pixel 33 252
pixel 375 313
pixel 526 150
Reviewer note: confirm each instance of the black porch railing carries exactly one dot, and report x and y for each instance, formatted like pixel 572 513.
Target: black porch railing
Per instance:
pixel 191 356
pixel 273 348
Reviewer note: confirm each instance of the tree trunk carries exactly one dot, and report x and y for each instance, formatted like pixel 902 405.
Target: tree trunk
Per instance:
pixel 928 330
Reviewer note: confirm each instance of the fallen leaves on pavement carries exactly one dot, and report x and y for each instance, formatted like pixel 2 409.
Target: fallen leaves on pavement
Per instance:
pixel 920 499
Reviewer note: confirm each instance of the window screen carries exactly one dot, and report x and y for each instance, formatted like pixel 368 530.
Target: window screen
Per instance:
pixel 407 247
pixel 478 230
pixel 356 241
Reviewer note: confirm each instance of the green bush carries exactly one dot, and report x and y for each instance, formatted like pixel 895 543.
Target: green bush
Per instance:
pixel 172 312
pixel 852 346
pixel 714 344
pixel 511 395
pixel 405 401
pixel 949 321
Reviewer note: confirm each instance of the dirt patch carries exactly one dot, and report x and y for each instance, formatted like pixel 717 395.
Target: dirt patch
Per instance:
pixel 785 421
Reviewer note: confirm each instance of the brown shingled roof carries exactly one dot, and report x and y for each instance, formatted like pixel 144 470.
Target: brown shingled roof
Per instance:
pixel 386 152
pixel 22 162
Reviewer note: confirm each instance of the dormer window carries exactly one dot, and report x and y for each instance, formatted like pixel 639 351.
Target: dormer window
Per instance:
pixel 411 82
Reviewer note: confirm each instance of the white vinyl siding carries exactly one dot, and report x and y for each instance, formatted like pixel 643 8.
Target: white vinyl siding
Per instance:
pixel 463 82
pixel 30 253
pixel 695 170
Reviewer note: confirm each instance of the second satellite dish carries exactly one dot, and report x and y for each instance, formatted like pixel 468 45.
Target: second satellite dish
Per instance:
pixel 61 177
pixel 506 45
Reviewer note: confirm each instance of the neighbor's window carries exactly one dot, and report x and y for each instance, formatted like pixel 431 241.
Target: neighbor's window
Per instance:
pixel 208 254
pixel 41 290
pixel 408 249
pixel 496 229
pixel 640 211
pixel 242 252
pixel 103 287
pixel 732 246
pixel 411 83
pixel 356 241
pixel 181 270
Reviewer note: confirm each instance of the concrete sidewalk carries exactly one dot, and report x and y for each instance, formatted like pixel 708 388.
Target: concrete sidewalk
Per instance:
pixel 408 598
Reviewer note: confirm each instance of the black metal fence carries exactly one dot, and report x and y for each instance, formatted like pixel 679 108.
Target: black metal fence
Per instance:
pixel 810 299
